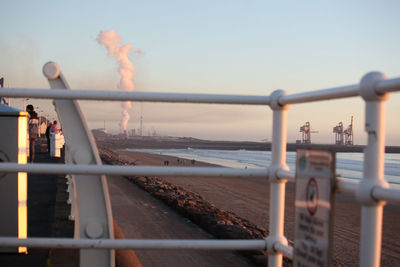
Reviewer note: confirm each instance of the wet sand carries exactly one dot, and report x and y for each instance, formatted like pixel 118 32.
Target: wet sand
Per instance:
pixel 249 198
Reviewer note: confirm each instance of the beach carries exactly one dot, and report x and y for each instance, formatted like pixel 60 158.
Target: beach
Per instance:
pixel 249 198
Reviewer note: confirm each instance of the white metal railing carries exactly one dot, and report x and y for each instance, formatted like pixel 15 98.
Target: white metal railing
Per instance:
pixel 137 96
pixel 194 244
pixel 44 168
pixel 383 86
pixel 370 191
pixel 379 193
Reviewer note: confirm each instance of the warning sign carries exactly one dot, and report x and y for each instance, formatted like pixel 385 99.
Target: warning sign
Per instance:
pixel 312 196
pixel 315 182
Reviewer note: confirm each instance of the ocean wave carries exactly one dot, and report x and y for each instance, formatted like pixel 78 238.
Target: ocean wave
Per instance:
pixel 349 165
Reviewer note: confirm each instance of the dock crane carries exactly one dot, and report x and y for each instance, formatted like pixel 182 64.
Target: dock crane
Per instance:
pixel 349 135
pixel 306 133
pixel 338 130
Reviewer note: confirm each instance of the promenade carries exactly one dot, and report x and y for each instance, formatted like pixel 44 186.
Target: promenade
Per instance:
pixel 47 217
pixel 138 214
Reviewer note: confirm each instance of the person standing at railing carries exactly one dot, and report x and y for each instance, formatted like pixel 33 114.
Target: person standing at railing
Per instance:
pixel 48 136
pixel 56 140
pixel 33 131
pixel 55 128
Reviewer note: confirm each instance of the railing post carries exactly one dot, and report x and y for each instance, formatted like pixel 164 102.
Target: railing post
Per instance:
pixel 92 207
pixel 277 185
pixel 373 171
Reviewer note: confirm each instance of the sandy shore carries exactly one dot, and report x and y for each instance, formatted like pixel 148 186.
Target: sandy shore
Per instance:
pixel 249 198
pixel 185 142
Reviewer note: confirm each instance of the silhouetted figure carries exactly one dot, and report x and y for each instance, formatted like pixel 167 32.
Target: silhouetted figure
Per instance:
pixel 48 136
pixel 33 130
pixel 2 99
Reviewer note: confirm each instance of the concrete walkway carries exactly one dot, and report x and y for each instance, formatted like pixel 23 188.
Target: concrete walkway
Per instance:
pixel 43 219
pixel 139 215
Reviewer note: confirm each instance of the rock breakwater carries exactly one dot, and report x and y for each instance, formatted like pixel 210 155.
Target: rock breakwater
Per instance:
pixel 220 223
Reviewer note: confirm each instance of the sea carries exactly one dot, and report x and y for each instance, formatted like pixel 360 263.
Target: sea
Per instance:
pixel 349 166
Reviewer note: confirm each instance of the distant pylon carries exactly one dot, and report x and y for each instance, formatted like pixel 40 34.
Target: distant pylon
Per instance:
pixel 306 133
pixel 338 130
pixel 349 134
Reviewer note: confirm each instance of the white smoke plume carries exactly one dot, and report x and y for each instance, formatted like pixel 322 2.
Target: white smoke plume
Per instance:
pixel 115 48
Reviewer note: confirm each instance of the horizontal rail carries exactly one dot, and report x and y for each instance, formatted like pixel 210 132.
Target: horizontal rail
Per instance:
pixel 342 185
pixel 288 175
pixel 194 244
pixel 346 186
pixel 378 192
pixel 44 168
pixel 136 96
pixel 286 250
pixel 386 194
pixel 318 95
pixel 389 85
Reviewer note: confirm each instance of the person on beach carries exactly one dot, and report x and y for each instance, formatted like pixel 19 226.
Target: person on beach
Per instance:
pixel 48 136
pixel 33 131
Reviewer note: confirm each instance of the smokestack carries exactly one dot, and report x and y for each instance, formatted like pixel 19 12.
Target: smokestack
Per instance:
pixel 115 48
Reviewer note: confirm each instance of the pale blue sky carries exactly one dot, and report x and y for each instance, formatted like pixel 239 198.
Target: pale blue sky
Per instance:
pixel 224 47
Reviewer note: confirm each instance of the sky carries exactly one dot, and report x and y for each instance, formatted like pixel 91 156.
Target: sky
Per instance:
pixel 213 47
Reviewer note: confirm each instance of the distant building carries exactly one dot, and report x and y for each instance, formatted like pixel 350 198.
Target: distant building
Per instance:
pixel 101 132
